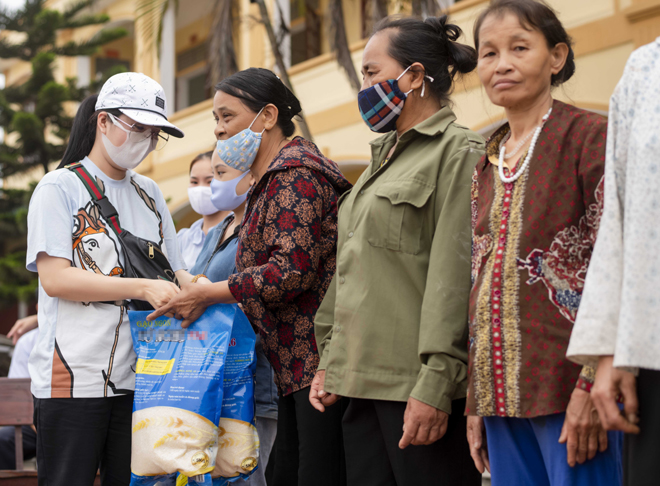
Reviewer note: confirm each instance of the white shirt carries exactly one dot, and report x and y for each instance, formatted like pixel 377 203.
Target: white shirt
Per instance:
pixel 191 240
pixel 19 359
pixel 620 310
pixel 85 349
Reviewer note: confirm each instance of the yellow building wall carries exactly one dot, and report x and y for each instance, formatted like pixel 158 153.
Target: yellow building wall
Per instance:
pixel 605 33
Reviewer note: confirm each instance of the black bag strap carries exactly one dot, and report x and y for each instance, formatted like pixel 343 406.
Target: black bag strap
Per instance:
pixel 106 208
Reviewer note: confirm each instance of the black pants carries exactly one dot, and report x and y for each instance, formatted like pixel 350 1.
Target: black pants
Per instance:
pixel 308 448
pixel 76 436
pixel 372 431
pixel 8 450
pixel 641 453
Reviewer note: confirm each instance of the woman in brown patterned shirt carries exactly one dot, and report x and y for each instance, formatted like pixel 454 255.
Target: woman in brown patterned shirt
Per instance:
pixel 536 206
pixel 285 261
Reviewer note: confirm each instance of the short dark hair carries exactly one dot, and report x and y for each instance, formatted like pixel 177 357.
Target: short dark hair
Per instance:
pixel 198 157
pixel 256 88
pixel 534 15
pixel 431 42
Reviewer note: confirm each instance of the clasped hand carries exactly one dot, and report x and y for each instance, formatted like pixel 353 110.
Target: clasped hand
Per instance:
pixel 188 304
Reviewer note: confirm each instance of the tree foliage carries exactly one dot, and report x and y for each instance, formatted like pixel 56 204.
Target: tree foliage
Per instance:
pixel 34 118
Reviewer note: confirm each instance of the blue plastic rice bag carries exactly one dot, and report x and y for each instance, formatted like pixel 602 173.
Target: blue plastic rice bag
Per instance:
pixel 238 441
pixel 178 385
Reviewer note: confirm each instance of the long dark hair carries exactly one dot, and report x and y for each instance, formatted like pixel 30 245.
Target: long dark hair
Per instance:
pixel 431 42
pixel 256 88
pixel 83 131
pixel 534 15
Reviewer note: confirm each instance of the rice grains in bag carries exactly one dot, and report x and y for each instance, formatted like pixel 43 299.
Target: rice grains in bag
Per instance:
pixel 238 441
pixel 178 383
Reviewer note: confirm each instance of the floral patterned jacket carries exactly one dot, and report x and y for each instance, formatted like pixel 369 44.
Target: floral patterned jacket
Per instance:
pixel 286 257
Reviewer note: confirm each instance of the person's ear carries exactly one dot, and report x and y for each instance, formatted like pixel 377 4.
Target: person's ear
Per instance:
pixel 102 122
pixel 270 115
pixel 558 56
pixel 417 73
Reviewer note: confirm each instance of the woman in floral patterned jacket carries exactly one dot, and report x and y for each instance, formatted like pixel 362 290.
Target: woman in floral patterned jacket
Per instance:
pixel 285 262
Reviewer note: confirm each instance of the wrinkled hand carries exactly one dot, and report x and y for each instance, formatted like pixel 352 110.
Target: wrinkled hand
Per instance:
pixel 610 382
pixel 582 432
pixel 318 397
pixel 188 305
pixel 422 424
pixel 476 436
pixel 21 327
pixel 158 292
pixel 203 281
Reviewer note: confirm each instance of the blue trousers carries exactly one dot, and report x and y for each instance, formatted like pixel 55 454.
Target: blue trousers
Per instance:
pixel 526 452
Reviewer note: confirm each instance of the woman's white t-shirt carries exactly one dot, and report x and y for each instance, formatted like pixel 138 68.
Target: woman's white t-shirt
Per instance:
pixel 85 349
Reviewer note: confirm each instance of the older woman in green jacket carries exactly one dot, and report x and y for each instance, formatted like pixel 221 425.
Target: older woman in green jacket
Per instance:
pixel 392 329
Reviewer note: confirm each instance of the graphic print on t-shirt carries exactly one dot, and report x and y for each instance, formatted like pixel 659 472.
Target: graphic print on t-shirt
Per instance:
pixel 85 349
pixel 151 204
pixel 93 248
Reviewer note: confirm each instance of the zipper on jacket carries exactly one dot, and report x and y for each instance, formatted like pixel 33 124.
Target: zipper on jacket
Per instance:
pixel 151 251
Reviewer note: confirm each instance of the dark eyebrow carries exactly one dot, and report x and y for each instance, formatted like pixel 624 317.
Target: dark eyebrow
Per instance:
pixel 519 37
pixel 369 64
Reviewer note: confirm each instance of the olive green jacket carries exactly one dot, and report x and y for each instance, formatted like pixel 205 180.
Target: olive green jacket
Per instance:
pixel 394 322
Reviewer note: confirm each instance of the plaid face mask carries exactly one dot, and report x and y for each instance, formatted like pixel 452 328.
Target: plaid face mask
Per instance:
pixel 381 104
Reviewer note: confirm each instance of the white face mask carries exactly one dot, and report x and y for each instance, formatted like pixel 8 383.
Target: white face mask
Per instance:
pixel 200 200
pixel 130 153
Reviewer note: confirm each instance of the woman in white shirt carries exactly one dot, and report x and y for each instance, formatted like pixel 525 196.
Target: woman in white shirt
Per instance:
pixel 82 365
pixel 191 240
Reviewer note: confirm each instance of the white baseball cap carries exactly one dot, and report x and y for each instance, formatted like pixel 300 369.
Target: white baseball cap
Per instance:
pixel 139 97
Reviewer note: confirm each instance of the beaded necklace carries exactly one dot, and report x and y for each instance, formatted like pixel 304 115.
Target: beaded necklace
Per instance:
pixel 523 167
pixel 518 147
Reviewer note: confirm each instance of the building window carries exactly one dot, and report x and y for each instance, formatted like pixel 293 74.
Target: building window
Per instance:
pixel 191 88
pixel 192 76
pixel 104 64
pixel 192 56
pixel 305 30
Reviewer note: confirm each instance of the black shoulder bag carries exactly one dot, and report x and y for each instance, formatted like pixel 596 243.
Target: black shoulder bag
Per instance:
pixel 142 258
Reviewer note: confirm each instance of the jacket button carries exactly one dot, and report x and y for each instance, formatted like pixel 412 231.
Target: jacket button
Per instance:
pixel 350 235
pixel 342 280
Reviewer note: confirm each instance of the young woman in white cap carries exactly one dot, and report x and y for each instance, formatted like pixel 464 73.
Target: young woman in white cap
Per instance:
pixel 81 372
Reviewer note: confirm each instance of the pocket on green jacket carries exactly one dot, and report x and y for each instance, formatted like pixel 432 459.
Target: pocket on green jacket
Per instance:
pixel 396 219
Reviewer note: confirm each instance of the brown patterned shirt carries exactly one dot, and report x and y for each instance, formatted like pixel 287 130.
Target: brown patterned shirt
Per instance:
pixel 532 241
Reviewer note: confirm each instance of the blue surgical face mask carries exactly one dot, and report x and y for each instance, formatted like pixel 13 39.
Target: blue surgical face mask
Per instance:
pixel 239 151
pixel 224 196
